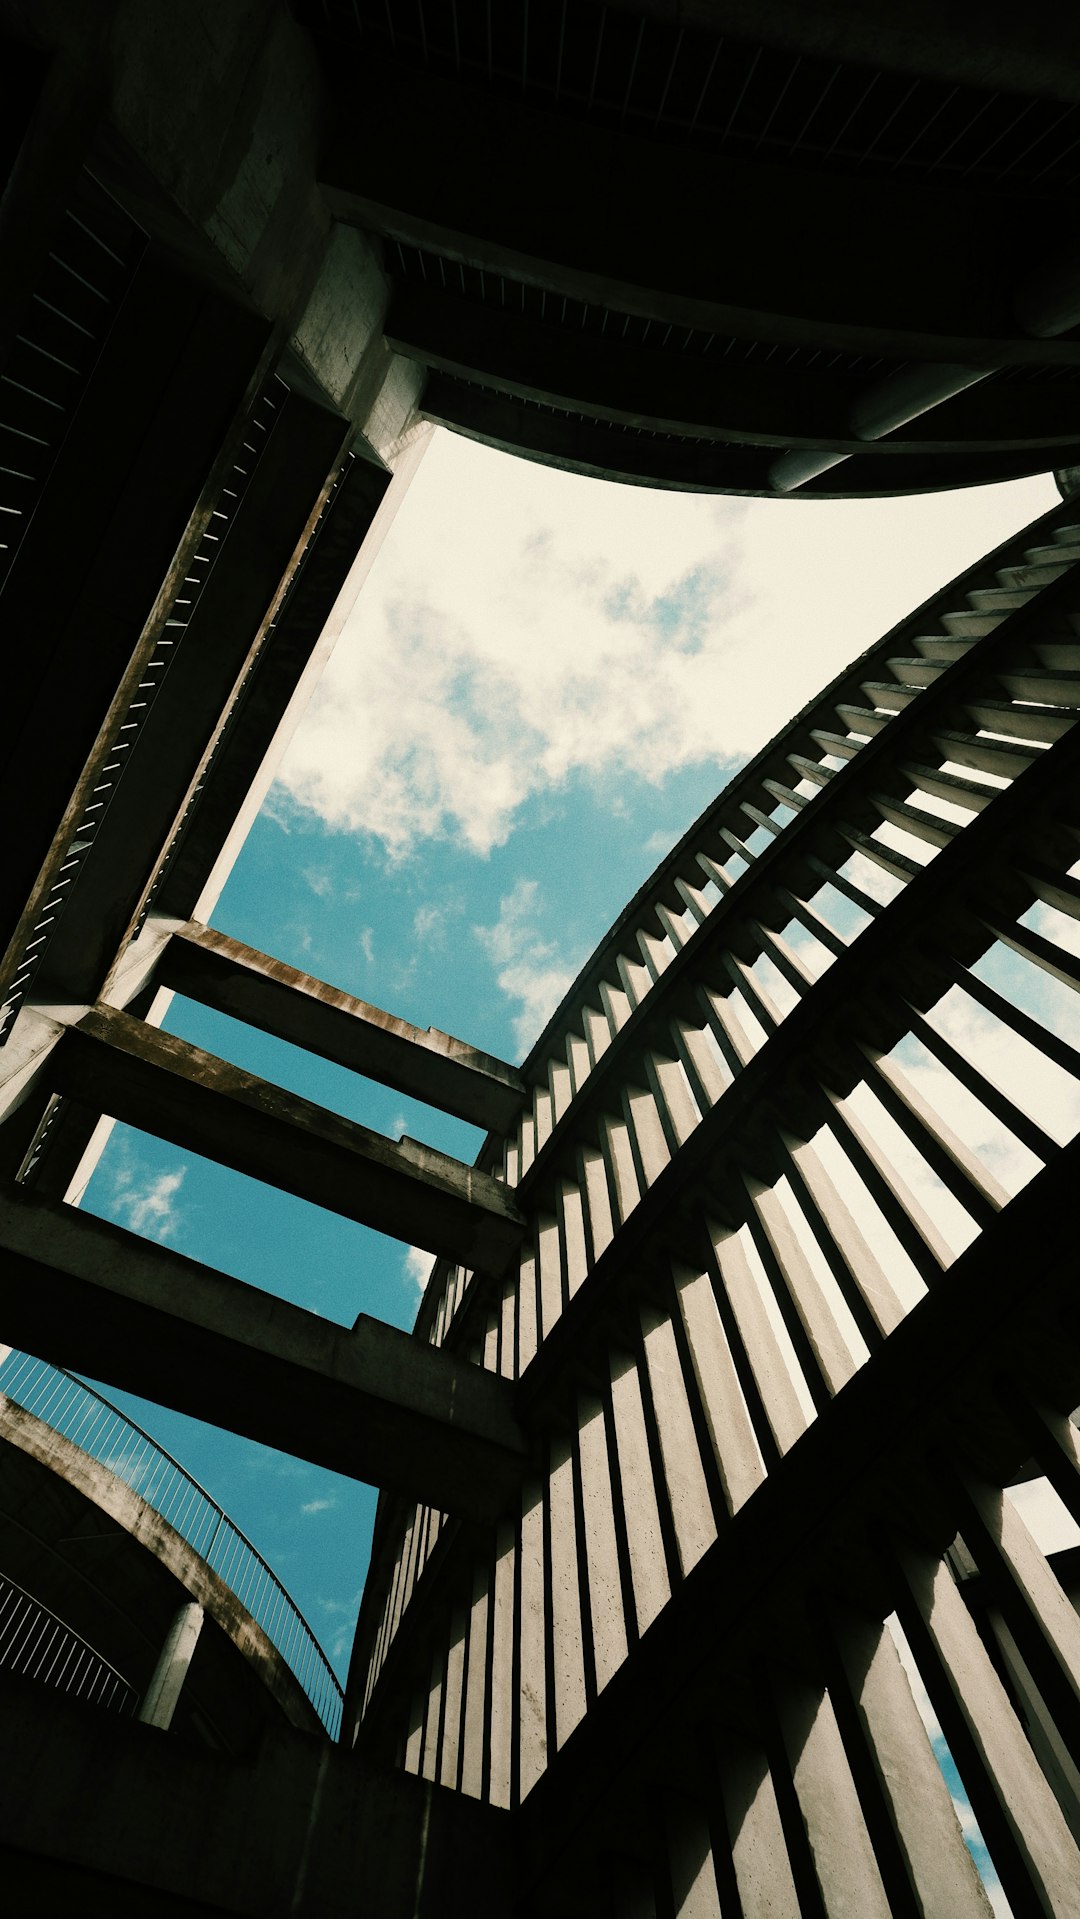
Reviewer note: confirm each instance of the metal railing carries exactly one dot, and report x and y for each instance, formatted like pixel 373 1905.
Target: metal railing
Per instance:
pixel 35 1644
pixel 90 1422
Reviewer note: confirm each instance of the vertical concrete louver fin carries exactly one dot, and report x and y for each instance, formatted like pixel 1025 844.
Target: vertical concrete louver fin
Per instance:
pixel 791 1139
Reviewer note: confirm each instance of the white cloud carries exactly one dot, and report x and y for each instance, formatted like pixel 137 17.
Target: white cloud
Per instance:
pixel 872 879
pixel 344 1612
pixel 429 925
pixel 320 883
pixel 311 1506
pixel 276 807
pixel 522 625
pixel 417 1264
pixel 367 944
pixel 131 1463
pixel 1054 926
pixel 298 937
pixel 529 970
pixel 146 1202
pixel 660 843
pixel 517 910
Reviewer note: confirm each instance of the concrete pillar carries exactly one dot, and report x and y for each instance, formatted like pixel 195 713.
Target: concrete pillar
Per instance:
pixel 161 1695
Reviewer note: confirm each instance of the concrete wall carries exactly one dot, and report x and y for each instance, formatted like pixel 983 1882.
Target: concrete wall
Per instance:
pixel 124 1818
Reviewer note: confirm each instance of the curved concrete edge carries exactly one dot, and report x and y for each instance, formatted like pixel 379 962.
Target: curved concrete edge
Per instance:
pixel 111 1495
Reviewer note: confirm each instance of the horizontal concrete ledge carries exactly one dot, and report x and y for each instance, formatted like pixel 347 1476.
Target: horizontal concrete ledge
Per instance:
pixel 133 1072
pixel 373 1403
pixel 208 966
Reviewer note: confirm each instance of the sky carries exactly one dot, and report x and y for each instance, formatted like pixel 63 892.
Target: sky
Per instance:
pixel 544 680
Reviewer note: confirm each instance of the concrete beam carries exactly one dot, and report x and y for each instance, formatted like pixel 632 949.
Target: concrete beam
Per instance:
pixel 122 1066
pixel 96 573
pixel 580 209
pixel 259 547
pixel 580 444
pixel 428 1065
pixel 609 378
pixel 281 681
pixel 372 1402
pixel 668 391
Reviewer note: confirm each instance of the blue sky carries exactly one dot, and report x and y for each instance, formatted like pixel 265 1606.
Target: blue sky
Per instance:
pixel 543 681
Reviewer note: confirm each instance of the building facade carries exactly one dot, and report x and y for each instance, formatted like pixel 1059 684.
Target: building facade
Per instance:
pixel 765 1325
pixel 760 1296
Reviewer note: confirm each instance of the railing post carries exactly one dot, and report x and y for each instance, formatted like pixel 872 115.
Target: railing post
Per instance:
pixel 213 1536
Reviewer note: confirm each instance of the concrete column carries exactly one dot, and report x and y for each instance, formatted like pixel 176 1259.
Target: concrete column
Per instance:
pixel 161 1695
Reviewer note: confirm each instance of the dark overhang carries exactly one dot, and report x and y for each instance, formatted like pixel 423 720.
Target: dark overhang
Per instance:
pixel 676 223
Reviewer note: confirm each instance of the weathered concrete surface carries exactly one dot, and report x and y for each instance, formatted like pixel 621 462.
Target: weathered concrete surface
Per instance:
pixel 429 1065
pixel 24 1061
pixel 150 1079
pixel 223 107
pixel 372 1402
pixel 111 1812
pixel 162 1695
